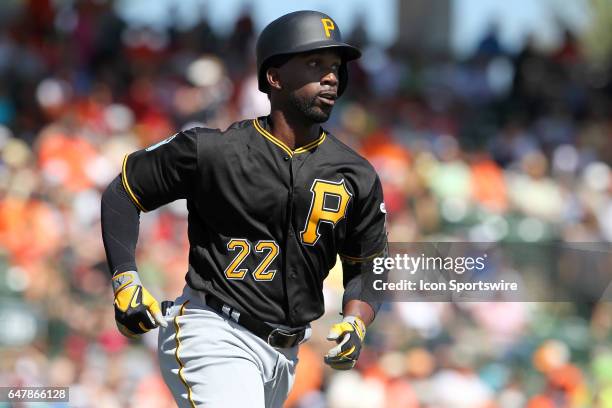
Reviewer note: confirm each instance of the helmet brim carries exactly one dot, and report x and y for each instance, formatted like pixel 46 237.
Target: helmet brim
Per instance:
pixel 347 51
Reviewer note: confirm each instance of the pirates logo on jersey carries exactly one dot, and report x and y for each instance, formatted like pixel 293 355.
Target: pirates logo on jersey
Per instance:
pixel 328 204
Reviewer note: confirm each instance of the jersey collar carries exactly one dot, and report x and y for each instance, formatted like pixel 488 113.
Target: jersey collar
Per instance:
pixel 302 149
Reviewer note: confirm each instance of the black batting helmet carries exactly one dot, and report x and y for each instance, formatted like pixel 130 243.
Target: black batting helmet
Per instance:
pixel 301 31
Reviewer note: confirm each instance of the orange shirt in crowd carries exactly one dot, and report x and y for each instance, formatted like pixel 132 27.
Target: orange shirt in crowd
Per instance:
pixel 66 159
pixel 488 185
pixel 29 229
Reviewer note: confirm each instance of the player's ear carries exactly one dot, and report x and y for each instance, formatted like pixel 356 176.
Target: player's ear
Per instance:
pixel 273 77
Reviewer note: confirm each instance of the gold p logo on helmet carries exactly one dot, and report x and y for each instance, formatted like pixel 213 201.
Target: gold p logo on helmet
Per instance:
pixel 328 26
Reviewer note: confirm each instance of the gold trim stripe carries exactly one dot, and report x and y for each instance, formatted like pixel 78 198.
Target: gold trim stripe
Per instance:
pixel 311 144
pixel 127 186
pixel 176 356
pixel 282 145
pixel 364 259
pixel 271 138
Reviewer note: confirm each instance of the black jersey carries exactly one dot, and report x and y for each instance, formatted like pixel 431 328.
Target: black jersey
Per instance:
pixel 265 222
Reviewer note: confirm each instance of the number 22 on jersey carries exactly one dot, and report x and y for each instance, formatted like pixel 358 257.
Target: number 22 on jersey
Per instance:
pixel 243 247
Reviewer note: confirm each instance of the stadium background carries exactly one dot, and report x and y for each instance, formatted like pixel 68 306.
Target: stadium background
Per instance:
pixel 507 136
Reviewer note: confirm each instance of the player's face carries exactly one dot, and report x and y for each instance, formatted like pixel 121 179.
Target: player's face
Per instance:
pixel 311 81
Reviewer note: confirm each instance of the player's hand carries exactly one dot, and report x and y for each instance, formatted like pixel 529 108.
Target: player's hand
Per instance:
pixel 349 335
pixel 136 310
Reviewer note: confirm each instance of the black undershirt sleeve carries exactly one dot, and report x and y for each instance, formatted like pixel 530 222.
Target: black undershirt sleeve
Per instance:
pixel 367 239
pixel 358 279
pixel 120 224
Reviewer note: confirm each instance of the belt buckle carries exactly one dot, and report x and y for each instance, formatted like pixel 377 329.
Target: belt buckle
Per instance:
pixel 280 338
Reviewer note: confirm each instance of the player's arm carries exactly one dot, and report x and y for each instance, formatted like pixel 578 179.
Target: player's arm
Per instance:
pixel 149 179
pixel 136 311
pixel 366 239
pixel 360 309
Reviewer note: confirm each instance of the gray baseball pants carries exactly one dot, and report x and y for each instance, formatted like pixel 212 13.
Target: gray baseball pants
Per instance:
pixel 210 361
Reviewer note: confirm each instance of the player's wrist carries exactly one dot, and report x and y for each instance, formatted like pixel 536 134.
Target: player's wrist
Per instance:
pixel 358 323
pixel 125 279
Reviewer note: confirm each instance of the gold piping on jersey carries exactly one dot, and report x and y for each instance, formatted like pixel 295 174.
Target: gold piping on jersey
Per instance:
pixel 311 144
pixel 364 259
pixel 127 186
pixel 176 356
pixel 282 145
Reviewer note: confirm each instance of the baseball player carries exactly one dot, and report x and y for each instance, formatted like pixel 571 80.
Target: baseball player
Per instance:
pixel 271 202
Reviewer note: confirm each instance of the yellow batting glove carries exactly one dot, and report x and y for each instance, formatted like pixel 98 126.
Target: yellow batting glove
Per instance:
pixel 349 335
pixel 136 310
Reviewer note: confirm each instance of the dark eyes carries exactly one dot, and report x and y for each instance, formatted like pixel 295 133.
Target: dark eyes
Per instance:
pixel 318 63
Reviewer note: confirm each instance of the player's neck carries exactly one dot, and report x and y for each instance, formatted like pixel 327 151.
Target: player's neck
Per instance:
pixel 293 132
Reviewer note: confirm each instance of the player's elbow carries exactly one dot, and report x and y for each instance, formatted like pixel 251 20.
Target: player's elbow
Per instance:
pixel 115 201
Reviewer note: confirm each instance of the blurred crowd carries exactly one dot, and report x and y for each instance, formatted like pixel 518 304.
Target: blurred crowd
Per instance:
pixel 499 146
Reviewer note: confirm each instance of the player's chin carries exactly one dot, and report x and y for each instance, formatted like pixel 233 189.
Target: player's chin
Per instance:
pixel 319 114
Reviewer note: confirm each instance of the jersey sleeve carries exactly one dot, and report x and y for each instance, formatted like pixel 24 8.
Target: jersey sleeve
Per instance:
pixel 366 239
pixel 163 172
pixel 366 235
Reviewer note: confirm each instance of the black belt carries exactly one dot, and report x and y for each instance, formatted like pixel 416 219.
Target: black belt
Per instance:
pixel 274 336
